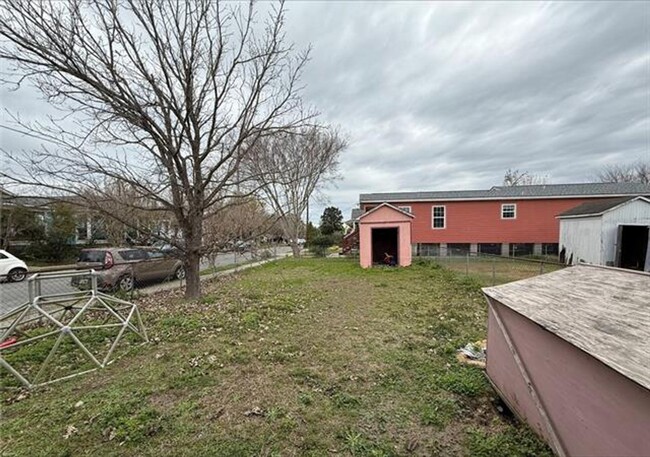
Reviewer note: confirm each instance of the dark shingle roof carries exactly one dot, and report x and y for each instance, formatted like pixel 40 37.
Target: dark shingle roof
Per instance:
pixel 566 190
pixel 408 196
pixel 354 215
pixel 596 207
pixel 516 192
pixel 31 201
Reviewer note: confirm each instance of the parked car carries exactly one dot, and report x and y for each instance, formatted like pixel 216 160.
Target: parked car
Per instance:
pixel 11 267
pixel 123 268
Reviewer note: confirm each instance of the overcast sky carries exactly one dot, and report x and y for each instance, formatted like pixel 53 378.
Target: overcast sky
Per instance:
pixel 436 96
pixel 449 95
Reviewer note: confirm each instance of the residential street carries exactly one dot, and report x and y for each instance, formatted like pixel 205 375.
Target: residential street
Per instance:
pixel 13 295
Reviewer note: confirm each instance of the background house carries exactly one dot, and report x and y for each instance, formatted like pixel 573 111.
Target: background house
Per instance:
pixel 510 221
pixel 612 232
pixel 53 229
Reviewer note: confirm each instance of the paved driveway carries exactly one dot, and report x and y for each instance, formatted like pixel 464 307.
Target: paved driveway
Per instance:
pixel 15 294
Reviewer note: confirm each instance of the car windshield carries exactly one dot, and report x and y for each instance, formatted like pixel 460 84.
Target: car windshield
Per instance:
pixel 91 256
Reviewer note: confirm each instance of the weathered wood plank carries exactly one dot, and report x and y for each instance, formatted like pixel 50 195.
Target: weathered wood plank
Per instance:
pixel 603 311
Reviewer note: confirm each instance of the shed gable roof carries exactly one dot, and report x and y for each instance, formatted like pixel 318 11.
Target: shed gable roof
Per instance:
pixel 600 207
pixel 601 310
pixel 389 207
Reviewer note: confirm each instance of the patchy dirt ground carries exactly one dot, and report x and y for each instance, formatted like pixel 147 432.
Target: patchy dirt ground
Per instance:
pixel 298 357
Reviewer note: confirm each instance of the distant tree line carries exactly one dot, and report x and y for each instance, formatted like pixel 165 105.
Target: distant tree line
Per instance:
pixel 638 171
pixel 634 172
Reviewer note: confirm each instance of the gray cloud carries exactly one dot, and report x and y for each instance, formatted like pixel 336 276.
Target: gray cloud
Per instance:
pixel 448 95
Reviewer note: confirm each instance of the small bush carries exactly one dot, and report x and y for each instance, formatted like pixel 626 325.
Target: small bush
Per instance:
pixel 320 244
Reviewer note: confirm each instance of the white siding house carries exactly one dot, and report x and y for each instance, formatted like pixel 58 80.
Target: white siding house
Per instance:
pixel 614 232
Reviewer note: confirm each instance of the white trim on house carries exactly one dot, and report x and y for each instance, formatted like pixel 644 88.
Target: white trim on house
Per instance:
pixel 514 210
pixel 433 217
pixel 384 204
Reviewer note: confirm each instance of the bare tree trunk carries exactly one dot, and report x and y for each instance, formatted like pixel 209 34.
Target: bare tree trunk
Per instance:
pixel 192 274
pixel 295 248
pixel 193 243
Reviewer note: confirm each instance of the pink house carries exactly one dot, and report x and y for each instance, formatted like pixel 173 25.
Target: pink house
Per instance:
pixel 385 236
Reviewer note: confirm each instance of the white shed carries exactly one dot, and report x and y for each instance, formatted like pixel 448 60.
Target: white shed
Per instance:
pixel 612 232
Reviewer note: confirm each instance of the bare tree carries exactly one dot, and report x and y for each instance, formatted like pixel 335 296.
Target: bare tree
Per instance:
pixel 635 172
pixel 126 216
pixel 164 95
pixel 514 177
pixel 246 221
pixel 290 168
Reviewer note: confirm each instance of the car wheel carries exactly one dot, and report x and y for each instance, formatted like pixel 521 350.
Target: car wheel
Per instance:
pixel 180 273
pixel 17 275
pixel 126 283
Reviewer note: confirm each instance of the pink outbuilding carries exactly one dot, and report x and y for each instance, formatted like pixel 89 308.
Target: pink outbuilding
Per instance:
pixel 569 352
pixel 385 236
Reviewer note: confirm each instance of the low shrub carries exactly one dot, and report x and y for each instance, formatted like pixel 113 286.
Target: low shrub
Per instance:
pixel 319 245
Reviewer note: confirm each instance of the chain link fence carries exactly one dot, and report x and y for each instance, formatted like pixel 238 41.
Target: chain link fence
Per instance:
pixel 490 269
pixel 126 272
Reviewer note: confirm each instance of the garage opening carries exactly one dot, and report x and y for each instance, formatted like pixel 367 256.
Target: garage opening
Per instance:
pixel 384 246
pixel 633 246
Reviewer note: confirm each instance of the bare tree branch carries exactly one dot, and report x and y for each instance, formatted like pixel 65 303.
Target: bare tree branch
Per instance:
pixel 514 177
pixel 168 99
pixel 635 172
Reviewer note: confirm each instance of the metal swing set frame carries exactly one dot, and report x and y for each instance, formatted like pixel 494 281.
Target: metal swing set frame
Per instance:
pixel 63 312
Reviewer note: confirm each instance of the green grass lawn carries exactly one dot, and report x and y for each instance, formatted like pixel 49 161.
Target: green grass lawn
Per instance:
pixel 297 357
pixel 493 270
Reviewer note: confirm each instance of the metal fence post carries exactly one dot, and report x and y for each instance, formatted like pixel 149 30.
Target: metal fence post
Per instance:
pixel 494 280
pixel 467 264
pixel 93 281
pixel 541 268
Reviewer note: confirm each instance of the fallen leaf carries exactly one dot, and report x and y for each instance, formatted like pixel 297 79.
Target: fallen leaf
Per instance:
pixel 256 411
pixel 69 431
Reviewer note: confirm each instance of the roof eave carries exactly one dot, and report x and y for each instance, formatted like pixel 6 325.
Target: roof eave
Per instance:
pixel 580 216
pixel 382 205
pixel 546 197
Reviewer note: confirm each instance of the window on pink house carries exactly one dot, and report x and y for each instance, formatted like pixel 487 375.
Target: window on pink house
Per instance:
pixel 438 217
